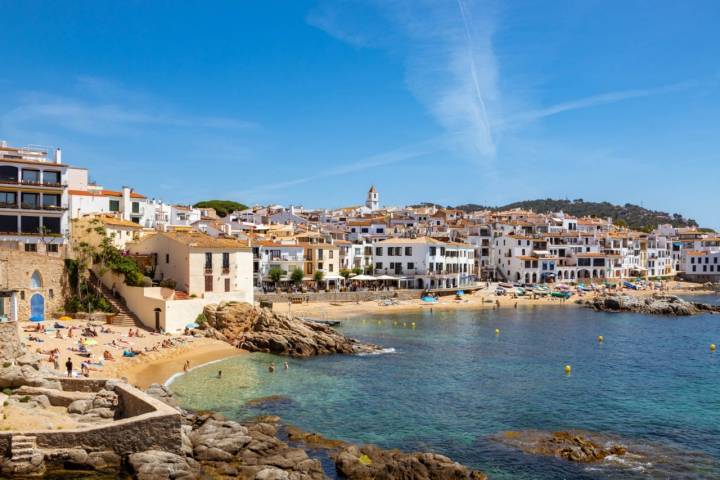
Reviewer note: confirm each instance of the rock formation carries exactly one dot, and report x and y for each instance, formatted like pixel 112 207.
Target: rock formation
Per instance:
pixel 567 445
pixel 655 305
pixel 261 330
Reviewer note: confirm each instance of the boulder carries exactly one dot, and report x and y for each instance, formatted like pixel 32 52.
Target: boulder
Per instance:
pixel 159 465
pixel 655 305
pixel 261 330
pixel 58 398
pixel 16 376
pixel 568 445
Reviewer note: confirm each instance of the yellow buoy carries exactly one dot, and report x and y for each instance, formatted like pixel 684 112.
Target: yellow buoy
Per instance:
pixel 568 369
pixel 712 347
pixel 413 324
pixel 497 331
pixel 601 338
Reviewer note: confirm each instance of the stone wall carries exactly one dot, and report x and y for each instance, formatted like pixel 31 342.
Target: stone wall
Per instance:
pixel 16 271
pixel 10 345
pixel 147 424
pixel 360 296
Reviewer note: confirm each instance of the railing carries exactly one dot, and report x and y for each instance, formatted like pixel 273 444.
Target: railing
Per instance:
pixel 208 270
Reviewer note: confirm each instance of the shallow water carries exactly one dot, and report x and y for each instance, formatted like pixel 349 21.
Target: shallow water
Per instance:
pixel 452 383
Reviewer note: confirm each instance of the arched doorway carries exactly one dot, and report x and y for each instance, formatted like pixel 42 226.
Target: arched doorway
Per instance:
pixel 37 307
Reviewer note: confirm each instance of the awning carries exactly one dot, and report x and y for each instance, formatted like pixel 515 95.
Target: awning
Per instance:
pixel 363 278
pixel 387 277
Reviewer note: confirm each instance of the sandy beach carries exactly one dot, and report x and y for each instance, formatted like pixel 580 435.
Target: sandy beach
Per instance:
pixel 154 364
pixel 485 298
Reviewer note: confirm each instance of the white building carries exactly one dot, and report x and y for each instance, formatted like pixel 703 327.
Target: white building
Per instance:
pixel 425 262
pixel 373 199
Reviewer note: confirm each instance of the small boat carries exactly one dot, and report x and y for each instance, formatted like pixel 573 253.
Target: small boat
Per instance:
pixel 506 285
pixel 519 291
pixel 561 294
pixel 330 323
pixel 429 299
pixel 630 285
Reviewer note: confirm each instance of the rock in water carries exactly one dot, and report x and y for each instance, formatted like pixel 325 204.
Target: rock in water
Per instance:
pixel 655 305
pixel 370 462
pixel 261 330
pixel 571 446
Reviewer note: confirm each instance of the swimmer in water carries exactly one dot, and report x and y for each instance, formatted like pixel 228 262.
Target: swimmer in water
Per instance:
pixel 286 365
pixel 219 375
pixel 271 368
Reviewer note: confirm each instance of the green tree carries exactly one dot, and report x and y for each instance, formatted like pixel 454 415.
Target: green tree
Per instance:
pixel 222 207
pixel 345 273
pixel 275 274
pixel 318 277
pixel 357 270
pixel 296 276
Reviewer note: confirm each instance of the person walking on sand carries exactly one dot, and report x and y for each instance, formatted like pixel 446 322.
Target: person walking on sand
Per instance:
pixel 497 303
pixel 69 367
pixel 186 367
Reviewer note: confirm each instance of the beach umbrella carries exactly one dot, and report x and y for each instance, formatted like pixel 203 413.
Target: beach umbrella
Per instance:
pixel 64 318
pixel 363 277
pixel 192 325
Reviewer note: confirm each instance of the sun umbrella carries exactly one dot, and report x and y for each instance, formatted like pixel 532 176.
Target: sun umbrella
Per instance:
pixel 64 318
pixel 192 325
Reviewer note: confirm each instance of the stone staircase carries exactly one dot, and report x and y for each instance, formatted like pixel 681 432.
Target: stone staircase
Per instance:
pixel 26 458
pixel 124 316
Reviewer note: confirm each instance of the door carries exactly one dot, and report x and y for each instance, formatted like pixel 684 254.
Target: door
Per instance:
pixel 37 307
pixel 227 284
pixel 208 283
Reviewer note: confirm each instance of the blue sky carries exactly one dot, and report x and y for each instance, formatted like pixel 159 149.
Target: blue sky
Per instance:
pixel 310 102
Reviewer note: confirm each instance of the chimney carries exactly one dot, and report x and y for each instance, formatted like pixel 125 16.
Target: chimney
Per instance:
pixel 126 206
pixel 58 155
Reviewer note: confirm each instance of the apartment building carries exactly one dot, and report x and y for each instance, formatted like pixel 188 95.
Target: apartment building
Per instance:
pixel 33 198
pixel 425 262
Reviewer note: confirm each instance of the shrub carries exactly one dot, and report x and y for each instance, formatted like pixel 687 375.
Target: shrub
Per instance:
pixel 24 399
pixel 200 319
pixel 168 283
pixel 7 391
pixel 7 364
pixel 147 282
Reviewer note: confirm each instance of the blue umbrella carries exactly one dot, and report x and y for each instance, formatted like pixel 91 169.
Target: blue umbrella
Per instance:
pixel 192 325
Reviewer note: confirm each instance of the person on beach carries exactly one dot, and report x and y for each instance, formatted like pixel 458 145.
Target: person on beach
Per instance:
pixel 271 368
pixel 497 303
pixel 69 367
pixel 515 305
pixel 187 366
pixel 219 375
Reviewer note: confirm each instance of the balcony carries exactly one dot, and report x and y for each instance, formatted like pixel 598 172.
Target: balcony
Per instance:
pixel 225 270
pixel 208 270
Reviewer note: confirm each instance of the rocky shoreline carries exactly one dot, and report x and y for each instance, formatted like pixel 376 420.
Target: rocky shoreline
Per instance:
pixel 215 447
pixel 260 330
pixel 655 305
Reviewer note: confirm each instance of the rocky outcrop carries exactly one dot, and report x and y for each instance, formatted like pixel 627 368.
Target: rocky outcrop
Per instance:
pixel 370 462
pixel 655 305
pixel 567 445
pixel 17 376
pixel 261 330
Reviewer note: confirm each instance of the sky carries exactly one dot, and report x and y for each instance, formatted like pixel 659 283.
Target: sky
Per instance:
pixel 311 102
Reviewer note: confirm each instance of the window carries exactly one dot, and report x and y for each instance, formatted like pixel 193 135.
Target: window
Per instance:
pixel 167 258
pixel 30 224
pixel 8 224
pixel 226 262
pixel 52 224
pixel 36 280
pixel 320 266
pixel 8 174
pixel 30 200
pixel 227 284
pixel 114 205
pixel 8 200
pixel 411 266
pixel 51 178
pixel 31 247
pixel 50 202
pixel 330 254
pixel 208 283
pixel 364 230
pixel 408 251
pixel 208 261
pixel 51 293
pixel 330 267
pixel 31 176
pixel 380 230
pixel 135 207
pixel 378 266
pixel 433 251
pixel 52 248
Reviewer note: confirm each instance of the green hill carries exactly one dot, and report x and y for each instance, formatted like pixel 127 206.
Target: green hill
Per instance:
pixel 633 216
pixel 222 207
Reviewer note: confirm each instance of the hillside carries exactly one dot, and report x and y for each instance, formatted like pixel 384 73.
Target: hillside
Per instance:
pixel 633 216
pixel 222 207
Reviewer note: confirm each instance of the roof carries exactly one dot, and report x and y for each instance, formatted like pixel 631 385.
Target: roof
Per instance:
pixel 103 193
pixel 198 239
pixel 119 222
pixel 410 241
pixel 372 189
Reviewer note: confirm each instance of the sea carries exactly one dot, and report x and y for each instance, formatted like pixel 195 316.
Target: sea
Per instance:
pixel 453 382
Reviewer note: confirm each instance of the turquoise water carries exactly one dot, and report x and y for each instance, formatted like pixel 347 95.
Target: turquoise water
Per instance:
pixel 452 383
